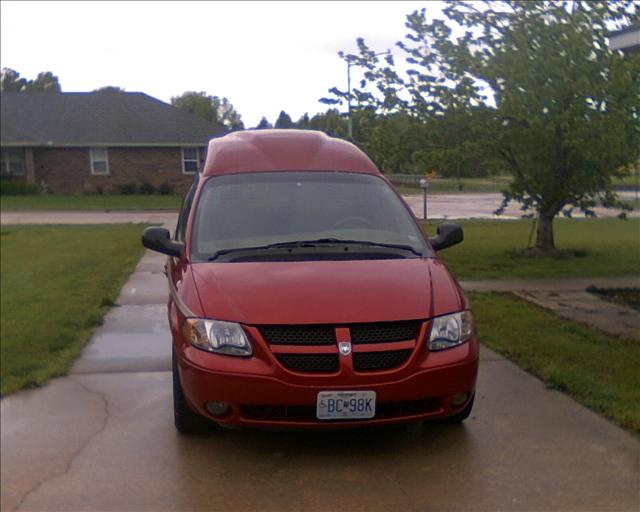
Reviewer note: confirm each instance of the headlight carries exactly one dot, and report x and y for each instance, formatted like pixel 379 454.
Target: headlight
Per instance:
pixel 450 330
pixel 217 336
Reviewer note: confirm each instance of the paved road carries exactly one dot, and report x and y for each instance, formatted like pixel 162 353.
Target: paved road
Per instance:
pixel 88 217
pixel 103 439
pixel 441 206
pixel 482 205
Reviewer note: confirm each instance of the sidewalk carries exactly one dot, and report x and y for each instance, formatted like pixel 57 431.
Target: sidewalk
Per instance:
pixel 569 299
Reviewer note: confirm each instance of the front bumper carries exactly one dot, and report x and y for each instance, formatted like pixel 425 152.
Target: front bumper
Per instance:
pixel 261 393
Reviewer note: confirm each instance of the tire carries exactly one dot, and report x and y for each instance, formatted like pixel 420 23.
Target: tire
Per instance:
pixel 186 421
pixel 463 414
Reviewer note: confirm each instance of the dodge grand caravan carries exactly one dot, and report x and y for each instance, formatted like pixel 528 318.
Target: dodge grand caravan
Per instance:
pixel 303 292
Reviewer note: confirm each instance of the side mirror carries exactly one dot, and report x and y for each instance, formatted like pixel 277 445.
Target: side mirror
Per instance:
pixel 448 234
pixel 159 240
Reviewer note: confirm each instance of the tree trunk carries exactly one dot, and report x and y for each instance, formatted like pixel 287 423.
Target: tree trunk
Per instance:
pixel 544 236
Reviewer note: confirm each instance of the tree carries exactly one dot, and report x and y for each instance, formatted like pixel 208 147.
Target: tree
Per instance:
pixel 284 120
pixel 263 124
pixel 330 122
pixel 227 115
pixel 393 143
pixel 109 88
pixel 303 122
pixel 11 81
pixel 212 108
pixel 45 82
pixel 561 108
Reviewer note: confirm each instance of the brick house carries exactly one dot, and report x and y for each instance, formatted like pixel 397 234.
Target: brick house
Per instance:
pixel 90 142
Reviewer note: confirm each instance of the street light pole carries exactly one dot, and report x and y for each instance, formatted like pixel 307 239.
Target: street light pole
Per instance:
pixel 350 119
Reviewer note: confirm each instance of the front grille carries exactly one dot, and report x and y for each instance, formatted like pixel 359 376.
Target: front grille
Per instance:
pixel 382 332
pixel 308 412
pixel 309 363
pixel 298 334
pixel 370 361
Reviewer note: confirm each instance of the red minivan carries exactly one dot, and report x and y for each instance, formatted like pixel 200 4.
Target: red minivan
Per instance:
pixel 304 293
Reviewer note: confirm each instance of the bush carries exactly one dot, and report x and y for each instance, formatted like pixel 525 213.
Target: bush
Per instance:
pixel 127 189
pixel 165 189
pixel 146 189
pixel 18 188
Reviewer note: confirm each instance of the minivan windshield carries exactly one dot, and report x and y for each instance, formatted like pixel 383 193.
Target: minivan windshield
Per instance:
pixel 262 211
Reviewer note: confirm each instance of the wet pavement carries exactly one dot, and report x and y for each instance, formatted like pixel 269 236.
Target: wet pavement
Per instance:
pixel 103 439
pixel 482 205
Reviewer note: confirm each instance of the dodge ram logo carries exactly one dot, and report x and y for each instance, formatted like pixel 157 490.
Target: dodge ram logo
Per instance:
pixel 344 347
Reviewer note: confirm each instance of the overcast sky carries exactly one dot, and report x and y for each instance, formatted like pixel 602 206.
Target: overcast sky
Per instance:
pixel 263 56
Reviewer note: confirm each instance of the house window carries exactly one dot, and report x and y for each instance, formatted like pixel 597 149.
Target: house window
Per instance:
pixel 99 161
pixel 190 161
pixel 13 163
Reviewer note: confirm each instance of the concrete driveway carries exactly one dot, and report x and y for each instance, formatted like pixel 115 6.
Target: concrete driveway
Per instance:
pixel 103 439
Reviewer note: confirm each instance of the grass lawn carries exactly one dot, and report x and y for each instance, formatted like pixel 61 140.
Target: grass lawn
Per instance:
pixel 598 371
pixel 56 283
pixel 609 247
pixel 91 202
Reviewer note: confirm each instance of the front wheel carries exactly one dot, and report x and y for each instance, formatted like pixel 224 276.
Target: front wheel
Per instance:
pixel 463 414
pixel 186 421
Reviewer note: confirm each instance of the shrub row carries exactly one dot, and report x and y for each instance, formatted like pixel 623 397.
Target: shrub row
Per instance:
pixel 20 188
pixel 145 188
pixel 17 188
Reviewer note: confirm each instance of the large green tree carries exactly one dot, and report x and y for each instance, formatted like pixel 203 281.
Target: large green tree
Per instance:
pixel 330 122
pixel 44 82
pixel 264 124
pixel 284 120
pixel 303 122
pixel 109 89
pixel 212 108
pixel 11 81
pixel 561 109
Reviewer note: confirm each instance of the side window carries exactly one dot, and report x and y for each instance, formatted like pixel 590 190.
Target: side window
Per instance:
pixel 99 161
pixel 185 210
pixel 13 162
pixel 190 160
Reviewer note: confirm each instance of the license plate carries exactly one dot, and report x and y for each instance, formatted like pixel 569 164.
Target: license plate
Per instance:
pixel 342 405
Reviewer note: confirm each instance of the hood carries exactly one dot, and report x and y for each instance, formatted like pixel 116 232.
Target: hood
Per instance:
pixel 318 292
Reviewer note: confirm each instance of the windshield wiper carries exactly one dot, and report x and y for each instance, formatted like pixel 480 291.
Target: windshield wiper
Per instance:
pixel 319 242
pixel 401 247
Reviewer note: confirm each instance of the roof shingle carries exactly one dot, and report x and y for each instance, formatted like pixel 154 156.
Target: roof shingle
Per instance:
pixel 98 118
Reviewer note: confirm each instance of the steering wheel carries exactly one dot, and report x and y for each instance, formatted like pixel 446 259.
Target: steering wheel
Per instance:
pixel 348 222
